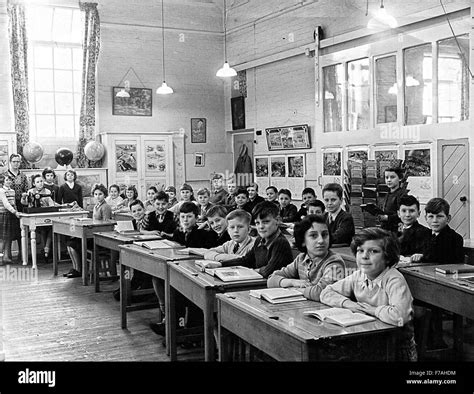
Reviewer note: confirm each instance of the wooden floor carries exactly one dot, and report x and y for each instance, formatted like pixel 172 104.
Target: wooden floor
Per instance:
pixel 59 319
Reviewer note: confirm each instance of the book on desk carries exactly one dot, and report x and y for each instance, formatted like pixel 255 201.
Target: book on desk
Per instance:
pixel 454 269
pixel 340 316
pixel 195 251
pixel 278 295
pixel 158 244
pixel 233 274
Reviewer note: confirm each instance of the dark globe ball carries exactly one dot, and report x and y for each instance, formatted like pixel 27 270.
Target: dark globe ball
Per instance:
pixel 64 156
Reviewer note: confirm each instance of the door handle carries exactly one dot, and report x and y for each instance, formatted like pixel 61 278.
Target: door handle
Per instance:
pixel 463 198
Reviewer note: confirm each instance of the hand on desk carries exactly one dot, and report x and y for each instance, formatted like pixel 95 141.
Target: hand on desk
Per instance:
pixel 294 283
pixel 416 257
pixel 366 308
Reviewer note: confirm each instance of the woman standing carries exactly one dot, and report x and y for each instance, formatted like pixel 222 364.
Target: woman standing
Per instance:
pixel 20 181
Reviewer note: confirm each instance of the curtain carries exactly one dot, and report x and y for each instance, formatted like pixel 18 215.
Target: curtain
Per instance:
pixel 91 46
pixel 19 73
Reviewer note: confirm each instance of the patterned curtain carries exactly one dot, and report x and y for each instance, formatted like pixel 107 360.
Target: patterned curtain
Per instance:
pixel 91 46
pixel 19 73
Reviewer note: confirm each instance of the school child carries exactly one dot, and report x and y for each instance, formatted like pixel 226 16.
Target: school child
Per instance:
pixel 271 250
pixel 288 211
pixel 101 211
pixel 377 288
pixel 445 245
pixel 203 196
pixel 308 195
pixel 238 228
pixel 315 207
pixel 272 194
pixel 49 177
pixel 171 192
pixel 150 198
pixel 413 236
pixel 9 215
pixel 161 219
pixel 131 194
pixel 316 266
pixel 230 198
pixel 216 217
pixel 219 194
pixel 340 223
pixel 242 200
pixel 70 191
pixel 389 220
pixel 254 198
pixel 186 193
pixel 114 199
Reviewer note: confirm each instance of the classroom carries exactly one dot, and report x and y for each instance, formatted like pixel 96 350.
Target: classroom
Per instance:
pixel 322 147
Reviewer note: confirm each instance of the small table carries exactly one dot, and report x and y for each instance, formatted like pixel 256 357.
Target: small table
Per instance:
pixel 33 220
pixel 285 334
pixel 449 292
pixel 201 289
pixel 112 240
pixel 83 229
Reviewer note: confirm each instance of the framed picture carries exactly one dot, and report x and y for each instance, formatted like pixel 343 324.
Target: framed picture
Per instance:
pixel 138 104
pixel 155 158
pixel 3 156
pixel 289 137
pixel 199 160
pixel 198 130
pixel 238 112
pixel 261 167
pixel 332 163
pixel 296 166
pixel 278 167
pixel 126 157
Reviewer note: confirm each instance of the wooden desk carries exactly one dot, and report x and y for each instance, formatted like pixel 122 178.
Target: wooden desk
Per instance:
pixel 443 291
pixel 111 240
pixel 82 229
pixel 200 288
pixel 33 220
pixel 285 334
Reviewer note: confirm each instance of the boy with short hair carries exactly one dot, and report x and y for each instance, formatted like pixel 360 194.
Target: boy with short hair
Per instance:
pixel 288 211
pixel 254 198
pixel 161 219
pixel 230 198
pixel 203 196
pixel 445 245
pixel 412 235
pixel 389 219
pixel 171 192
pixel 315 207
pixel 216 217
pixel 219 194
pixel 271 250
pixel 308 195
pixel 242 199
pixel 340 223
pixel 272 195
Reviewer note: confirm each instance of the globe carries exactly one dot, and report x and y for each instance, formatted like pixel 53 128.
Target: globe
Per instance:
pixel 33 152
pixel 94 150
pixel 64 156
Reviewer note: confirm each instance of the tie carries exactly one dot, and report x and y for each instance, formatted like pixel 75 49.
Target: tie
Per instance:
pixel 236 248
pixel 186 236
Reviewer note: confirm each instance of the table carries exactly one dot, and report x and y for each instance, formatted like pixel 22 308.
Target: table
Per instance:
pixel 200 288
pixel 33 220
pixel 443 291
pixel 83 229
pixel 112 240
pixel 285 334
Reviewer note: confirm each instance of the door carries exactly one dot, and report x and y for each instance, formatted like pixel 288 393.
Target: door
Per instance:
pixel 453 181
pixel 243 157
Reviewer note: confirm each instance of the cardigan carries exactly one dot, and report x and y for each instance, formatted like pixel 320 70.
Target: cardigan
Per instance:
pixel 289 214
pixel 102 211
pixel 68 195
pixel 342 228
pixel 226 250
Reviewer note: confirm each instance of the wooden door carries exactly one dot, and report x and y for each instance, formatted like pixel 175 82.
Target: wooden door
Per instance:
pixel 453 181
pixel 243 158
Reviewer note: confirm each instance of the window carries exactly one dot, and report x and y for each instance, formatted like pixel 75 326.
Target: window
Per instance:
pixel 332 101
pixel 55 71
pixel 386 89
pixel 358 94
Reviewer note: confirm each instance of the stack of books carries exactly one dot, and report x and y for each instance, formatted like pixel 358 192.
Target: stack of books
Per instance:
pixel 278 295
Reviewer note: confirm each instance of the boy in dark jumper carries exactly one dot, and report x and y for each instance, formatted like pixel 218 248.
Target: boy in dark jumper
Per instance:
pixel 308 195
pixel 161 219
pixel 216 217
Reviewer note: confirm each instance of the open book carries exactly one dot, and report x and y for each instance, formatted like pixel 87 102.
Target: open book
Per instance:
pixel 340 316
pixel 230 274
pixel 125 227
pixel 278 295
pixel 372 209
pixel 454 268
pixel 196 251
pixel 158 244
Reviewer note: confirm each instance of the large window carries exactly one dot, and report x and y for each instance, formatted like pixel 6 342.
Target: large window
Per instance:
pixel 332 102
pixel 55 72
pixel 386 89
pixel 358 94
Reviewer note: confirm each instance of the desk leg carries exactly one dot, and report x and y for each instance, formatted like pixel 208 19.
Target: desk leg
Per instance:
pixel 123 294
pixel 33 245
pixel 24 245
pixel 209 327
pixel 171 324
pixel 55 253
pixel 85 272
pixel 458 332
pixel 95 261
pixel 222 336
pixel 167 312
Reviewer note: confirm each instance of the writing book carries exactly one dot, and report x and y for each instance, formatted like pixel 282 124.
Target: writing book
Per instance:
pixel 278 295
pixel 372 209
pixel 158 244
pixel 230 274
pixel 340 316
pixel 454 268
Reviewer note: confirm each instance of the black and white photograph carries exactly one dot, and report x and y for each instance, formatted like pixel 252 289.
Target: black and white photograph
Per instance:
pixel 126 157
pixel 261 167
pixel 278 167
pixel 139 102
pixel 332 163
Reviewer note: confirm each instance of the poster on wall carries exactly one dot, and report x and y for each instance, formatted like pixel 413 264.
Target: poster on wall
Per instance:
pixel 155 158
pixel 296 166
pixel 421 187
pixel 290 137
pixel 3 157
pixel 126 157
pixel 332 163
pixel 385 155
pixel 278 167
pixel 418 162
pixel 358 155
pixel 261 167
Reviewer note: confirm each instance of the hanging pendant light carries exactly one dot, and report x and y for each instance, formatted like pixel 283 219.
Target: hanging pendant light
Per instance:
pixel 226 71
pixel 164 88
pixel 381 19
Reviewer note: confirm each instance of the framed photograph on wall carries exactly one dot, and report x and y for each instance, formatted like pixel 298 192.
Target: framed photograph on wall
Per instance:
pixel 138 104
pixel 126 157
pixel 238 112
pixel 199 159
pixel 198 130
pixel 332 163
pixel 288 137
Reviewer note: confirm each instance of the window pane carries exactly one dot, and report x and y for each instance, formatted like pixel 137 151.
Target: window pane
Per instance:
pixel 77 80
pixel 64 126
pixel 77 26
pixel 39 22
pixel 62 24
pixel 453 78
pixel 77 104
pixel 418 84
pixel 45 125
pixel 43 57
pixel 386 89
pixel 332 101
pixel 64 104
pixel 45 103
pixel 358 95
pixel 63 81
pixel 44 80
pixel 62 58
pixel 77 58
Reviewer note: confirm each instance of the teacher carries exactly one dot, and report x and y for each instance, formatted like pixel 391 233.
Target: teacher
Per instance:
pixel 20 181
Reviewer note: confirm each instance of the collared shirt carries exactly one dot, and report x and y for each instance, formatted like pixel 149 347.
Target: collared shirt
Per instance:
pixel 227 251
pixel 268 243
pixel 332 216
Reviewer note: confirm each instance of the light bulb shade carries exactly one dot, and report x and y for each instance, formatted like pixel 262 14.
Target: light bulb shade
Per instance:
pixel 164 89
pixel 122 93
pixel 226 71
pixel 382 20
